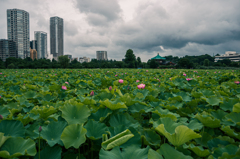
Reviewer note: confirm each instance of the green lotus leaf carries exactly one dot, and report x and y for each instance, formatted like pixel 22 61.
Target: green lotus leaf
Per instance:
pixel 208 120
pixel 182 134
pixel 139 108
pixel 173 105
pixel 117 140
pixel 50 153
pixel 154 154
pixel 52 132
pixel 184 95
pixel 198 150
pixel 73 135
pixel 207 92
pixel 216 142
pixel 230 149
pixel 150 137
pixel 204 139
pixel 3 138
pixel 32 130
pixel 226 138
pixel 233 117
pixel 230 132
pixel 169 152
pixel 194 125
pixel 17 146
pixel 13 107
pixel 113 105
pixel 228 105
pixel 167 121
pixel 236 108
pixel 48 97
pixel 135 140
pixel 219 114
pixel 75 113
pixel 13 128
pixel 213 100
pixel 101 114
pixel 95 130
pixel 30 94
pixel 4 111
pixel 131 152
pixel 166 113
pixel 104 95
pixel 123 119
pixel 43 111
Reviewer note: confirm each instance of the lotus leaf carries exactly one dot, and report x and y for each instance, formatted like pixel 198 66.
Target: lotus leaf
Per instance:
pixel 43 111
pixel 52 132
pixel 216 142
pixel 123 119
pixel 50 153
pixel 75 113
pixel 73 135
pixel 236 108
pixel 17 146
pixel 101 114
pixel 150 137
pixel 228 105
pixel 131 152
pixel 4 111
pixel 169 152
pixel 154 155
pixel 230 132
pixel 208 120
pixel 117 140
pixel 182 134
pixel 113 105
pixel 3 138
pixel 13 128
pixel 166 113
pixel 198 150
pixel 95 130
pixel 230 149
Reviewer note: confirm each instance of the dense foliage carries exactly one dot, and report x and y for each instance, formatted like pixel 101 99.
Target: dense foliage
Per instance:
pixel 119 114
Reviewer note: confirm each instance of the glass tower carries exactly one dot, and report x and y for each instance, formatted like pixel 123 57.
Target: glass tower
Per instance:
pixel 56 37
pixel 18 31
pixel 41 38
pixel 7 49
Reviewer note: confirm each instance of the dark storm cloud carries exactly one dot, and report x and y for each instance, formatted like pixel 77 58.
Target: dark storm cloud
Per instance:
pixel 202 22
pixel 100 12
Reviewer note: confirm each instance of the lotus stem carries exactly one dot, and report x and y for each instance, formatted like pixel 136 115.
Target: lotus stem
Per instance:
pixel 202 133
pixel 79 152
pixel 39 146
pixel 92 149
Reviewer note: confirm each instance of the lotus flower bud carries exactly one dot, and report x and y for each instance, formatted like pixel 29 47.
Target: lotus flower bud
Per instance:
pixel 110 88
pixel 92 93
pixel 40 129
pixel 1 117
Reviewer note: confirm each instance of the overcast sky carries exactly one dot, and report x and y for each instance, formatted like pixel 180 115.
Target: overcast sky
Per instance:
pixel 170 27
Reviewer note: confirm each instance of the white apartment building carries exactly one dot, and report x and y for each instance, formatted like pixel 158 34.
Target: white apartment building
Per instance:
pixel 231 55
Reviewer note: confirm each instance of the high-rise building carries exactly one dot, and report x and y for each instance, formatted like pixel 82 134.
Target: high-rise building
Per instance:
pixel 33 44
pixel 41 38
pixel 56 37
pixel 33 54
pixel 7 49
pixel 18 31
pixel 101 55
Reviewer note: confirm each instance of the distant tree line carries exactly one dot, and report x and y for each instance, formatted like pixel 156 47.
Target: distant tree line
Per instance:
pixel 130 61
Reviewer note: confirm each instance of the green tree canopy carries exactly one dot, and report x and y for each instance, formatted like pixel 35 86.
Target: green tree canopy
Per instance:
pixel 63 61
pixel 130 58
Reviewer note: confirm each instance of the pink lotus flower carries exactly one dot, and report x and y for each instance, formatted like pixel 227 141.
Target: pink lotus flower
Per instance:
pixel 237 82
pixel 0 73
pixel 64 87
pixel 4 76
pixel 110 88
pixel 90 75
pixel 66 82
pixel 120 81
pixel 137 80
pixel 188 79
pixel 55 74
pixel 92 93
pixel 146 70
pixel 184 74
pixel 141 86
pixel 115 75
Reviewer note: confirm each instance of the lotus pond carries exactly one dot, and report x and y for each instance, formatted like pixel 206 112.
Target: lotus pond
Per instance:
pixel 119 114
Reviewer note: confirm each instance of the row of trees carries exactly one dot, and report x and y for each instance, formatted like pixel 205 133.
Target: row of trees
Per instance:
pixel 130 61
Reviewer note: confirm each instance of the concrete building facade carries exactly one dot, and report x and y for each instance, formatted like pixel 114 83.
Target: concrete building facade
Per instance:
pixel 231 55
pixel 33 54
pixel 41 39
pixel 18 31
pixel 101 55
pixel 7 49
pixel 56 37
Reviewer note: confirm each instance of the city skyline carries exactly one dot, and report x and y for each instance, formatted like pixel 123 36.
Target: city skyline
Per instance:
pixel 177 27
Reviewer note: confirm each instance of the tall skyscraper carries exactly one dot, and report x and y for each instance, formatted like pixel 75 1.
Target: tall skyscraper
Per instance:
pixel 101 55
pixel 56 37
pixel 41 38
pixel 7 49
pixel 18 31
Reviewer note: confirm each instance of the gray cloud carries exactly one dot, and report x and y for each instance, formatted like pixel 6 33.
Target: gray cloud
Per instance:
pixel 100 12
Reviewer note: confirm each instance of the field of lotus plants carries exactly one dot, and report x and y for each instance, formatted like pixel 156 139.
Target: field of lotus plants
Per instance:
pixel 119 114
